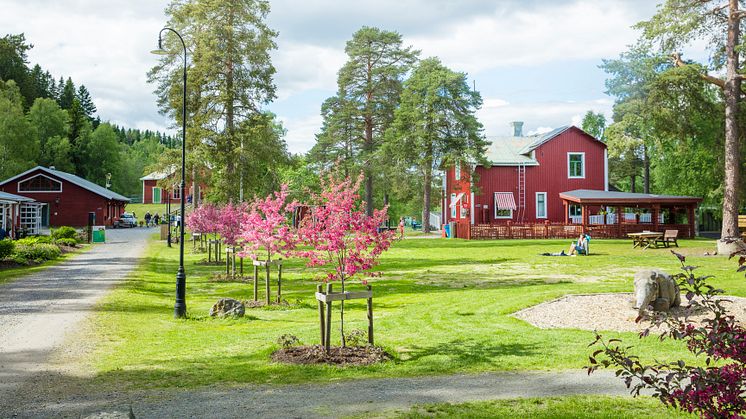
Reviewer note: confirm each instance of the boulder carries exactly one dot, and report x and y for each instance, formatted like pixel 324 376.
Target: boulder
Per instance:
pixel 228 307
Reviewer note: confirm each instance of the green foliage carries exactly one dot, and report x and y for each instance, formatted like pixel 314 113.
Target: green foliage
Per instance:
pixel 64 232
pixel 229 81
pixel 37 252
pixel 34 240
pixel 288 340
pixel 99 154
pixel 435 125
pixel 18 144
pixel 594 124
pixel 356 337
pixel 6 248
pixel 356 118
pixel 71 242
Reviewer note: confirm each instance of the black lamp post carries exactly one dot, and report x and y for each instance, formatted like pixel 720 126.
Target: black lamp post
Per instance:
pixel 180 305
pixel 168 215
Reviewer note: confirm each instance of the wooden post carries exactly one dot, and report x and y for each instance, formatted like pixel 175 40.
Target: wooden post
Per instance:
pixel 619 220
pixel 209 251
pixel 227 265
pixel 256 282
pixel 370 317
pixel 241 259
pixel 655 212
pixel 233 261
pixel 691 220
pixel 327 334
pixel 266 282
pixel 320 289
pixel 567 212
pixel 279 282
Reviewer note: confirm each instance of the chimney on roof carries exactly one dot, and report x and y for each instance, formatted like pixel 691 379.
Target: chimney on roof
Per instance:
pixel 517 128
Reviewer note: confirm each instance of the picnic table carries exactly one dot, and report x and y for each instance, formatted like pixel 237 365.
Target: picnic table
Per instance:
pixel 645 239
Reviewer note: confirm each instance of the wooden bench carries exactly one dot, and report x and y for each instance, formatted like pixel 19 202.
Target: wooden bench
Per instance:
pixel 669 237
pixel 742 224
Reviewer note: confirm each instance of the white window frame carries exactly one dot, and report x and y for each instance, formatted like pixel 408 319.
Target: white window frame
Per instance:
pixel 544 194
pixel 18 185
pixel 175 193
pixel 494 203
pixel 582 164
pixel 570 207
pixel 453 207
pixel 462 210
pixel 457 171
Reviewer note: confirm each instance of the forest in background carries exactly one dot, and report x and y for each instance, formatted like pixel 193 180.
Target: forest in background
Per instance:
pixel 50 121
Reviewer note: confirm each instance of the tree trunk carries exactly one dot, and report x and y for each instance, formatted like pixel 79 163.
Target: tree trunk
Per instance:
pixel 230 165
pixel 732 95
pixel 427 189
pixel 369 141
pixel 646 169
pixel 632 185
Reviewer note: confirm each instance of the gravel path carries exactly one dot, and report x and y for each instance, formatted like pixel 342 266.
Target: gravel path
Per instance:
pixel 329 400
pixel 37 311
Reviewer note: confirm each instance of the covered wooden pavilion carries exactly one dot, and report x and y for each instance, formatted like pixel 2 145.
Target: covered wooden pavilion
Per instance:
pixel 610 220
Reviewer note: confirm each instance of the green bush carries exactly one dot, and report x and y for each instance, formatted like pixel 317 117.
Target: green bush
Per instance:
pixel 6 248
pixel 34 240
pixel 66 242
pixel 37 252
pixel 64 232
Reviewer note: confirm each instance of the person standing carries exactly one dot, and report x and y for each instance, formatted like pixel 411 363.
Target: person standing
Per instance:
pixel 147 219
pixel 401 228
pixel 156 219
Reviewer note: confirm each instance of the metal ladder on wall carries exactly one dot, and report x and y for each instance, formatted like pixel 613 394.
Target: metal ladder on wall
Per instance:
pixel 521 193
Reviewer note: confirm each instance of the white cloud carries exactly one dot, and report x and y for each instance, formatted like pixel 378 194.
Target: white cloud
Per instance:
pixel 538 117
pixel 303 66
pixel 301 132
pixel 533 36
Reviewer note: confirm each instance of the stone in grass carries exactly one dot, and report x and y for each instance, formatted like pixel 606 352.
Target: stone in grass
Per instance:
pixel 228 307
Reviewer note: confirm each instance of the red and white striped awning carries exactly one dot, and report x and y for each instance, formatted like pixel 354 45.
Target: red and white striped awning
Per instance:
pixel 457 200
pixel 504 201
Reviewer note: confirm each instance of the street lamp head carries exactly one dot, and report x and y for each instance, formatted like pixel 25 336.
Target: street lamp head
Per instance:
pixel 160 50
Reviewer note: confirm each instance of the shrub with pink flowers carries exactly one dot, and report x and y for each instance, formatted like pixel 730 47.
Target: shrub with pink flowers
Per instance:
pixel 230 222
pixel 204 219
pixel 265 230
pixel 340 235
pixel 715 390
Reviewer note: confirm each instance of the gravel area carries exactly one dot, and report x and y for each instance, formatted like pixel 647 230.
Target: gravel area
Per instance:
pixel 328 400
pixel 613 312
pixel 39 311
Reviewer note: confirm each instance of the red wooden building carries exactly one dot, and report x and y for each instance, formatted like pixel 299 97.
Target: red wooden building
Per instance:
pixel 68 198
pixel 154 194
pixel 525 177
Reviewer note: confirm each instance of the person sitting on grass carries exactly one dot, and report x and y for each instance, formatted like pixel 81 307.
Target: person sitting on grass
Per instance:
pixel 581 246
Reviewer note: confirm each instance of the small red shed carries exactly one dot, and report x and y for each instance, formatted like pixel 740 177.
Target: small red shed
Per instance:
pixel 68 198
pixel 154 194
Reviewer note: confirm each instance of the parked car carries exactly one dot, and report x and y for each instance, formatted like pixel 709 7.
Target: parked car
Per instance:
pixel 126 220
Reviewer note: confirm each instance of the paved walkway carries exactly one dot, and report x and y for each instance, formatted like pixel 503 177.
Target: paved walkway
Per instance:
pixel 37 311
pixel 325 400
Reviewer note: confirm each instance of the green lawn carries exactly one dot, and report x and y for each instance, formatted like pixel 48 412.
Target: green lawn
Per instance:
pixel 545 408
pixel 141 209
pixel 443 306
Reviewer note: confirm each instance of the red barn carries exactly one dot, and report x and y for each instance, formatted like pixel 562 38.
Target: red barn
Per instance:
pixel 154 194
pixel 68 198
pixel 525 177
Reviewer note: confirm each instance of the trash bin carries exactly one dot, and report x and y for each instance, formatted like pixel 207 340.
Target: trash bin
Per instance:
pixel 454 231
pixel 447 229
pixel 164 231
pixel 99 234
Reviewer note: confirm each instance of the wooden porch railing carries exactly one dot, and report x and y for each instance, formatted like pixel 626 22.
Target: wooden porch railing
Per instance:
pixel 560 230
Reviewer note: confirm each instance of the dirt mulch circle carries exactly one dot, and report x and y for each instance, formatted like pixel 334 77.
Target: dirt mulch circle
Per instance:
pixel 221 277
pixel 315 355
pixel 610 312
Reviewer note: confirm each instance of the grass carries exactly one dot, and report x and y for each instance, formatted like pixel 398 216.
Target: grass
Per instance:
pixel 553 407
pixel 141 209
pixel 442 306
pixel 10 274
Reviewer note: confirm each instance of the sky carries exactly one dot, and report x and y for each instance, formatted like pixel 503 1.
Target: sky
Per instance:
pixel 534 61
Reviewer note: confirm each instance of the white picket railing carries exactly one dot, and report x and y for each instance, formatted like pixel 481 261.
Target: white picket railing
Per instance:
pixel 629 217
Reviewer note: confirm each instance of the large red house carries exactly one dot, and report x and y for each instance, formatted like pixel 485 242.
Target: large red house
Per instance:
pixel 68 198
pixel 525 177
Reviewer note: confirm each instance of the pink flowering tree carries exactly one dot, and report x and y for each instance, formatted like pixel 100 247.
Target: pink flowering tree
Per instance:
pixel 230 221
pixel 204 219
pixel 265 230
pixel 341 236
pixel 712 390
